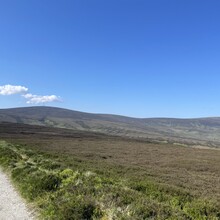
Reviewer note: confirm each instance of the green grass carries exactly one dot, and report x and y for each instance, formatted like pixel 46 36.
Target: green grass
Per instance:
pixel 61 187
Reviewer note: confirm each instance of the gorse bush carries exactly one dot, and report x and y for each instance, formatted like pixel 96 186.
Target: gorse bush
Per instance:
pixel 63 193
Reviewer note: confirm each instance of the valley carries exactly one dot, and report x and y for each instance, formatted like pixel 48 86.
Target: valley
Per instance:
pixel 176 179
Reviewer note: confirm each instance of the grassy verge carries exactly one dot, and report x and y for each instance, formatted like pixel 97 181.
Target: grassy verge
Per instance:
pixel 63 190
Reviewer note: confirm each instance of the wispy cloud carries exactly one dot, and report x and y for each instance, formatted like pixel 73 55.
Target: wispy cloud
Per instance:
pixel 12 90
pixel 37 99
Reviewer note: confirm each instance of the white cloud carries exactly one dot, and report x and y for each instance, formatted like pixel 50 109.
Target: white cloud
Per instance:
pixel 11 90
pixel 37 99
pixel 31 99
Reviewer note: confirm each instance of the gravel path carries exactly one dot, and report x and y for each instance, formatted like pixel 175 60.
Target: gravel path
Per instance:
pixel 12 206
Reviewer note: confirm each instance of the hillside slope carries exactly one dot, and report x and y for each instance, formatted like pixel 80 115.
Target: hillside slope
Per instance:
pixel 203 131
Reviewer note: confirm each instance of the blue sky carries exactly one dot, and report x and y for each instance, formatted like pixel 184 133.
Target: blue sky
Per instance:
pixel 141 58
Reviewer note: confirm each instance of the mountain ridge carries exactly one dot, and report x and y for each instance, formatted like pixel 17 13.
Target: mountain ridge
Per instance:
pixel 203 131
pixel 105 114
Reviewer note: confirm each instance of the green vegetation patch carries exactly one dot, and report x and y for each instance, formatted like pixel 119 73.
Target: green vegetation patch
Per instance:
pixel 60 192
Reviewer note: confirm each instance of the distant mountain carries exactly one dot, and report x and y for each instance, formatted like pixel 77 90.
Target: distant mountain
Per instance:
pixel 202 131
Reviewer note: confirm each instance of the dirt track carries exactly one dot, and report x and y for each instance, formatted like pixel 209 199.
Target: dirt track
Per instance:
pixel 12 206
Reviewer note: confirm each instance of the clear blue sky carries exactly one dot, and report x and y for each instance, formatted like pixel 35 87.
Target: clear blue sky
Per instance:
pixel 142 58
